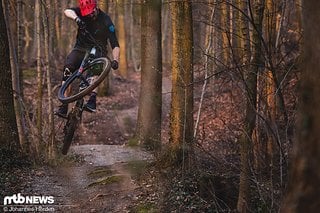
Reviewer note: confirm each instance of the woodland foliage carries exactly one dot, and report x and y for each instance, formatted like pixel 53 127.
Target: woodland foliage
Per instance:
pixel 233 68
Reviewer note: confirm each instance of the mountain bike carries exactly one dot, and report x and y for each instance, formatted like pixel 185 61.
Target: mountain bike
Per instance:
pixel 91 73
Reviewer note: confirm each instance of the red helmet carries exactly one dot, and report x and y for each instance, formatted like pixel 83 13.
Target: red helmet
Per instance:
pixel 87 6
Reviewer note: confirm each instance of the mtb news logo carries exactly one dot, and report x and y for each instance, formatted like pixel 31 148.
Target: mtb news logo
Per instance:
pixel 18 199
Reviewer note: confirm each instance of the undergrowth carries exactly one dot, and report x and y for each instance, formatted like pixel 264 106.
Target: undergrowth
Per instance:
pixel 13 167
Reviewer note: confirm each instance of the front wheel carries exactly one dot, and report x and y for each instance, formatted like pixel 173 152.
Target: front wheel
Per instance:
pixel 98 68
pixel 69 130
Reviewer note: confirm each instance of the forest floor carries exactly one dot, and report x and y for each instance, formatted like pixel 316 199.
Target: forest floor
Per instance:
pixel 105 170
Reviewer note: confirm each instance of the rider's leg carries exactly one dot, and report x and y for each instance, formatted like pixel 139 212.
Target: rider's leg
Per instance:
pixel 91 104
pixel 63 108
pixel 73 62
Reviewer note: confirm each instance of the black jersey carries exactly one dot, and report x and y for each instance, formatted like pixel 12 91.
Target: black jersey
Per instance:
pixel 102 29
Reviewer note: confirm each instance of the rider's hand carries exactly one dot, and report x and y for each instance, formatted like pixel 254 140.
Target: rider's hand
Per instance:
pixel 81 23
pixel 114 64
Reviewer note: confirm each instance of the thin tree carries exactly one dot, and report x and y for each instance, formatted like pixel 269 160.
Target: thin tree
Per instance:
pixel 250 113
pixel 166 34
pixel 150 102
pixel 39 75
pixel 209 65
pixel 105 88
pixel 20 37
pixel 123 67
pixel 47 50
pixel 58 23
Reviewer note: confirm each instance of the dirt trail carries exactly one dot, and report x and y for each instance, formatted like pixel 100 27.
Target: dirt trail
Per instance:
pixel 101 182
pixel 98 174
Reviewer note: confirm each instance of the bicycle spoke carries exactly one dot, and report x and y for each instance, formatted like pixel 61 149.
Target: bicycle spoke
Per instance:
pixel 86 80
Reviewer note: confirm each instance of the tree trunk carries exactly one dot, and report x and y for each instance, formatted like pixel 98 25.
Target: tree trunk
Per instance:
pixel 20 43
pixel 16 83
pixel 105 88
pixel 181 117
pixel 8 127
pixel 244 35
pixel 39 76
pixel 250 114
pixel 209 65
pixel 225 27
pixel 271 108
pixel 166 35
pixel 47 48
pixel 57 24
pixel 234 20
pixel 104 5
pixel 150 102
pixel 123 66
pixel 304 190
pixel 135 14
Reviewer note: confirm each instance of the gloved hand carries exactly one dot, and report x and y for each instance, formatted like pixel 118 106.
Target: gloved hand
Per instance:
pixel 114 64
pixel 81 23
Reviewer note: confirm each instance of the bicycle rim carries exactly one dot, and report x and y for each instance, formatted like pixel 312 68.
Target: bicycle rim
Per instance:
pixel 73 82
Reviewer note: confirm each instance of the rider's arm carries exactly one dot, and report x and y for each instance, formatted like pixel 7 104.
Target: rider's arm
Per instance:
pixel 113 41
pixel 116 53
pixel 70 13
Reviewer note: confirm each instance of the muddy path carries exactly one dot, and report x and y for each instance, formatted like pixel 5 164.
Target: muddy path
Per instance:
pixel 94 178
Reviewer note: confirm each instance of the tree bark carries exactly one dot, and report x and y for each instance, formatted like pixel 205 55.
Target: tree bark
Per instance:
pixel 304 189
pixel 250 114
pixel 39 76
pixel 123 65
pixel 150 102
pixel 134 29
pixel 181 116
pixel 8 127
pixel 16 85
pixel 225 27
pixel 47 48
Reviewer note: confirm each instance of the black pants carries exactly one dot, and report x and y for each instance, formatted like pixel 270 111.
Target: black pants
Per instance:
pixel 73 62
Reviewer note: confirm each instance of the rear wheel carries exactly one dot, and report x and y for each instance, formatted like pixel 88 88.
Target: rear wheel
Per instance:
pixel 87 80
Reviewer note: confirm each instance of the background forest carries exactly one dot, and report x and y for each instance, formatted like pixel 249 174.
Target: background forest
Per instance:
pixel 229 70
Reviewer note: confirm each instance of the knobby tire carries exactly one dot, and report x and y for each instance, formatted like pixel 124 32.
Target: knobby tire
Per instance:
pixel 105 71
pixel 69 130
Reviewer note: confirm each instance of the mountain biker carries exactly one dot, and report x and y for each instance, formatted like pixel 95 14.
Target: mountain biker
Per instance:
pixel 91 19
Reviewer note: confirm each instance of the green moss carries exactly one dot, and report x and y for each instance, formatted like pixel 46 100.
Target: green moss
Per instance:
pixel 132 142
pixel 29 73
pixel 106 180
pixel 145 208
pixel 100 172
